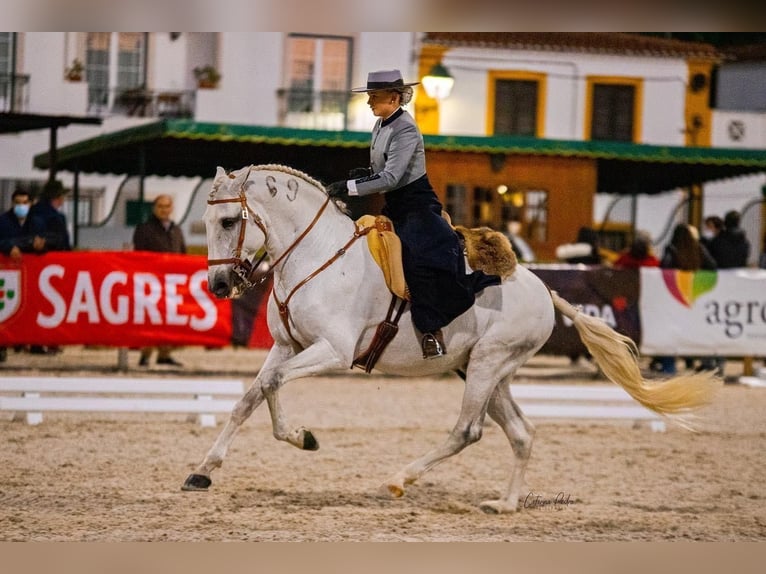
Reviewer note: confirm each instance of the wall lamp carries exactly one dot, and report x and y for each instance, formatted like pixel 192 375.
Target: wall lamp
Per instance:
pixel 438 83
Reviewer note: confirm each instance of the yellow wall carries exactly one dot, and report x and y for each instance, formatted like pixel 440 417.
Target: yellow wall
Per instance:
pixel 697 113
pixel 427 109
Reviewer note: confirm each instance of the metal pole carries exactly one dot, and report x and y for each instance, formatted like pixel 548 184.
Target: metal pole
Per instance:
pixel 75 208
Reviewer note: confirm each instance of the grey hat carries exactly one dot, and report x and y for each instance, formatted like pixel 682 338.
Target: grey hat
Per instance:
pixel 384 80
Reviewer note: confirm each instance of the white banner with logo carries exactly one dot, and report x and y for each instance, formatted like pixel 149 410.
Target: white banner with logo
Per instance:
pixel 701 313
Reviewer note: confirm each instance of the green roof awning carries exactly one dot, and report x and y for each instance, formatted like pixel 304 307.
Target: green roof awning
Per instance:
pixel 188 148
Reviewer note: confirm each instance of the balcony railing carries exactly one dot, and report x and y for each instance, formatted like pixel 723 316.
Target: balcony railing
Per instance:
pixel 301 108
pixel 14 92
pixel 142 103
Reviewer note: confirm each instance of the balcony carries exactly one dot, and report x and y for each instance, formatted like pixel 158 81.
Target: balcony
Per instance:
pixel 307 109
pixel 14 92
pixel 141 102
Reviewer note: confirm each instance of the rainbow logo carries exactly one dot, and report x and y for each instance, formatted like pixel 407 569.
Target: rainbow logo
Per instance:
pixel 687 286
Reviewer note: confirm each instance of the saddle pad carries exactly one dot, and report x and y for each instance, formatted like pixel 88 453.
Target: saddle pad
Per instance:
pixel 386 249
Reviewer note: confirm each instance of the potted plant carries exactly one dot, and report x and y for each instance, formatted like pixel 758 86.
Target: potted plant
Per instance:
pixel 74 72
pixel 207 76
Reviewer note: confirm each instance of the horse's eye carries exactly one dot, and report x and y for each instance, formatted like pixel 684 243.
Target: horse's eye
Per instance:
pixel 228 223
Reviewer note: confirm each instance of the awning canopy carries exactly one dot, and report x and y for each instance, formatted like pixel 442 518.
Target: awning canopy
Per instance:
pixel 188 148
pixel 11 122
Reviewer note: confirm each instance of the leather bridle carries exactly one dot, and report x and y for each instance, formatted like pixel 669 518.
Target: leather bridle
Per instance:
pixel 245 268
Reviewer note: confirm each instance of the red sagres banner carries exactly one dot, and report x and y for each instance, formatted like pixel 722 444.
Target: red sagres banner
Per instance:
pixel 119 298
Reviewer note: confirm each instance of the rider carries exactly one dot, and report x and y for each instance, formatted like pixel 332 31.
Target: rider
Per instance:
pixel 440 289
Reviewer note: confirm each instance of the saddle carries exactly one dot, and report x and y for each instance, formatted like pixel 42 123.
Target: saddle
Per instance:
pixel 386 249
pixel 486 250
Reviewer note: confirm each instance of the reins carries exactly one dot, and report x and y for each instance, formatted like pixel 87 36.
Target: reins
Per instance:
pixel 246 269
pixel 284 311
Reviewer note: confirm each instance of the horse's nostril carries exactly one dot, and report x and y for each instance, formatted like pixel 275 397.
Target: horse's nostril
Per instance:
pixel 221 289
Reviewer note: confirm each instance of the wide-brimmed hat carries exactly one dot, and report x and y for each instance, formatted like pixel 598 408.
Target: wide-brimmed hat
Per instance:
pixel 384 80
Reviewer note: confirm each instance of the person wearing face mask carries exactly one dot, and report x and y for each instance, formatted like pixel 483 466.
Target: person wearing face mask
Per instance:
pixel 20 232
pixel 434 267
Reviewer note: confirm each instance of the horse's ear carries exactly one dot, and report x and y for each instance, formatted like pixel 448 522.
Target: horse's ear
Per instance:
pixel 241 177
pixel 219 172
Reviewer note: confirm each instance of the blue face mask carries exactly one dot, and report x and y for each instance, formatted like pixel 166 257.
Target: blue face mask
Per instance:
pixel 21 210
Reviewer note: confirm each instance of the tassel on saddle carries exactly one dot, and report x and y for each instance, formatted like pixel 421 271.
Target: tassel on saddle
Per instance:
pixel 384 334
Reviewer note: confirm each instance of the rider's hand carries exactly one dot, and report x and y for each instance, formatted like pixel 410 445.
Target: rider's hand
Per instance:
pixel 359 172
pixel 337 188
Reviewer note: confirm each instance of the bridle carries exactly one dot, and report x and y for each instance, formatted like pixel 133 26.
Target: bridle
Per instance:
pixel 245 268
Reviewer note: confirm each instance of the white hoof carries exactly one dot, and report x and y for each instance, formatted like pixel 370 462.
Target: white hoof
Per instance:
pixel 497 507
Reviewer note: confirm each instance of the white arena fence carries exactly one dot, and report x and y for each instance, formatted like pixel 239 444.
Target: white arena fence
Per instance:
pixel 38 394
pixel 201 398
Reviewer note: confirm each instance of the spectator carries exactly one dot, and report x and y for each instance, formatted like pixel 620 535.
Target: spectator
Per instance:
pixel 730 248
pixel 712 226
pixel 639 254
pixel 20 232
pixel 520 246
pixel 48 209
pixel 585 250
pixel 159 233
pixel 686 253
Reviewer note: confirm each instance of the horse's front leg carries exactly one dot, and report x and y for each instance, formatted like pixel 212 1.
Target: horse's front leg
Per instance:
pixel 318 358
pixel 200 478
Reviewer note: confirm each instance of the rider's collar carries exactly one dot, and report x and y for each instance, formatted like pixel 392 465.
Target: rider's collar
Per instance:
pixel 392 117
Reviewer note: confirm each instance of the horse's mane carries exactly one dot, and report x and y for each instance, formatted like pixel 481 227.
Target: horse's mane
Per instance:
pixel 339 203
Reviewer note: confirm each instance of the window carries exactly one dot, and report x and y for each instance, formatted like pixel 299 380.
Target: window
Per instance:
pixel 6 53
pixel 536 215
pixel 105 80
pixel 515 107
pixel 614 110
pixel 516 104
pixel 318 77
pixel 455 204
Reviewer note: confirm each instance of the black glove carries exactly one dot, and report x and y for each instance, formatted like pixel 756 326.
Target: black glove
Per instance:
pixel 359 172
pixel 337 188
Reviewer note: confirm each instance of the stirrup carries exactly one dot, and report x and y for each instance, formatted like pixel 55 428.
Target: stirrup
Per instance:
pixel 432 346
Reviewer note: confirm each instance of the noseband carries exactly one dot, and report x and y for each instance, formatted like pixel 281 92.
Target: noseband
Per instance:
pixel 245 268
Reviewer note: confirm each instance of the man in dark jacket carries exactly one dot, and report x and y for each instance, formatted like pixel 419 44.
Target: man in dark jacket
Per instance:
pixel 48 208
pixel 159 233
pixel 730 248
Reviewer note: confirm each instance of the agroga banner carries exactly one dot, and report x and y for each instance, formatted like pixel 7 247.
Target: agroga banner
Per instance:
pixel 121 298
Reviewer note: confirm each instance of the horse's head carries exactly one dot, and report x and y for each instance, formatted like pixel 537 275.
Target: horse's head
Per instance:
pixel 234 233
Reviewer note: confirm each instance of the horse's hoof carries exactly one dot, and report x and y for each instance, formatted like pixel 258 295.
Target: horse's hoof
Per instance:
pixel 495 507
pixel 309 442
pixel 395 490
pixel 197 482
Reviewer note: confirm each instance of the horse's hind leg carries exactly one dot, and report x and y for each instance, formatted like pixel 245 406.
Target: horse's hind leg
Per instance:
pixel 200 478
pixel 482 376
pixel 520 432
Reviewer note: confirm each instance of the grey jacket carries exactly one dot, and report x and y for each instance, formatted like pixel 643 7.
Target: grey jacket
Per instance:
pixel 397 155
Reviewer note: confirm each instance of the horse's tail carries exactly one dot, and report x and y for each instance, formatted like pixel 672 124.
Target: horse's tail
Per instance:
pixel 617 356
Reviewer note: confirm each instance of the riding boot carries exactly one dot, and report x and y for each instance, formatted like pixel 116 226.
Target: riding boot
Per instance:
pixel 433 345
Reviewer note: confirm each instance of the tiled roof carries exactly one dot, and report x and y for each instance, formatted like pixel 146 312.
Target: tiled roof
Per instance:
pixel 749 53
pixel 593 42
